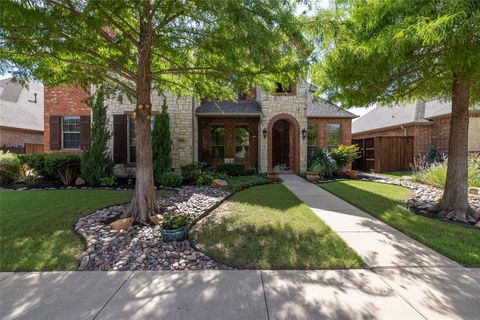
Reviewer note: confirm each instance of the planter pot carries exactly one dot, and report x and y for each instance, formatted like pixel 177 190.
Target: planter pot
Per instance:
pixel 174 235
pixel 312 177
pixel 273 176
pixel 352 174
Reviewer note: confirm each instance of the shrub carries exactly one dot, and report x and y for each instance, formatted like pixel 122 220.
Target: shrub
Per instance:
pixel 107 181
pixel 205 178
pixel 344 155
pixel 324 157
pixel 170 179
pixel 250 172
pixel 161 143
pixel 231 169
pixel 36 162
pixel 436 173
pixel 317 168
pixel 96 162
pixel 174 222
pixel 63 166
pixel 190 171
pixel 238 183
pixel 9 168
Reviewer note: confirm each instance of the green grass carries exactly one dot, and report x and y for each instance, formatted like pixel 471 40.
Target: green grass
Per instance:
pixel 383 201
pixel 267 227
pixel 36 227
pixel 396 174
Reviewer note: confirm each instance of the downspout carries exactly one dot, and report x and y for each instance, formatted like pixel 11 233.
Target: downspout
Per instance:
pixel 404 130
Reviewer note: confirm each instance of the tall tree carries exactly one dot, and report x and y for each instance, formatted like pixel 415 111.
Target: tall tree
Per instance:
pixel 96 161
pixel 389 51
pixel 200 47
pixel 162 143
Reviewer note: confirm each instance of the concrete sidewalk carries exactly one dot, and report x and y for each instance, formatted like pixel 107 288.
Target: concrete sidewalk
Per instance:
pixel 405 280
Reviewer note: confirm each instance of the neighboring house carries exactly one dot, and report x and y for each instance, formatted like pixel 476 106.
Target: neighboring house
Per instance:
pixel 258 129
pixel 391 138
pixel 21 116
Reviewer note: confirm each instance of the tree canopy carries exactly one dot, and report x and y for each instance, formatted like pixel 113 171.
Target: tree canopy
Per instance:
pixel 207 47
pixel 393 50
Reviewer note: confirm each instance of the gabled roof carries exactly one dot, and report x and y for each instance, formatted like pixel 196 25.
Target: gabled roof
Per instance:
pixel 18 108
pixel 320 108
pixel 229 108
pixel 390 116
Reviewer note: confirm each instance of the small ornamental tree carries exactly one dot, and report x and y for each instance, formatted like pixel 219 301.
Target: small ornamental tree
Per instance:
pixel 393 51
pixel 161 143
pixel 96 161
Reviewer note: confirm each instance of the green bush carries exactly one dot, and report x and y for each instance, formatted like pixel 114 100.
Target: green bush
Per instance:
pixel 107 181
pixel 9 168
pixel 36 162
pixel 174 221
pixel 170 179
pixel 231 169
pixel 96 161
pixel 191 171
pixel 324 158
pixel 239 183
pixel 161 143
pixel 205 178
pixel 250 172
pixel 62 166
pixel 436 174
pixel 344 155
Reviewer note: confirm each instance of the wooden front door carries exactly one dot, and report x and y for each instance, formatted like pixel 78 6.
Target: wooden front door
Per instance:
pixel 281 143
pixel 228 139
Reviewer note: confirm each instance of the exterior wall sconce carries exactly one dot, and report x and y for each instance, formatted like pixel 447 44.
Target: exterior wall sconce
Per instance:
pixel 304 133
pixel 264 131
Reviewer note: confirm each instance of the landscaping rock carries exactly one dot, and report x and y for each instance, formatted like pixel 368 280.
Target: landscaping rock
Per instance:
pixel 139 247
pixel 219 183
pixel 79 182
pixel 156 219
pixel 477 224
pixel 121 224
pixel 474 191
pixel 406 178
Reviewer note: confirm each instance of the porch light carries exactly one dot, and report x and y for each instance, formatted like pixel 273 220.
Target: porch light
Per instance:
pixel 264 133
pixel 304 133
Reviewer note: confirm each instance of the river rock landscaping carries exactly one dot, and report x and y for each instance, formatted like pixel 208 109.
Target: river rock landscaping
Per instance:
pixel 424 197
pixel 141 247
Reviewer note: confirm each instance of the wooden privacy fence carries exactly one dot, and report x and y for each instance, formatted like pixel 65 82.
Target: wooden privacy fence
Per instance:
pixel 384 154
pixel 33 148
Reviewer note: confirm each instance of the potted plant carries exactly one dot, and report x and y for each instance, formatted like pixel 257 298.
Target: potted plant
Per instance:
pixel 276 170
pixel 344 155
pixel 315 171
pixel 174 227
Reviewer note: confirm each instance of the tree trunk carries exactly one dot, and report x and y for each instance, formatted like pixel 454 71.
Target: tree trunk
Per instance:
pixel 144 202
pixel 454 203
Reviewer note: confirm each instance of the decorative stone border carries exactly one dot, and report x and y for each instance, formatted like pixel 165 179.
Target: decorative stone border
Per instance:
pixel 141 247
pixel 424 197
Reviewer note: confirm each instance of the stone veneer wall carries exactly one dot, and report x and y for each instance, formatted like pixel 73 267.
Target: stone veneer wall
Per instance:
pixel 13 137
pixel 294 105
pixel 182 126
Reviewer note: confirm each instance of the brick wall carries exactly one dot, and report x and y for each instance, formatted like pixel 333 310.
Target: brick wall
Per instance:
pixel 63 101
pixel 441 133
pixel 10 137
pixel 321 123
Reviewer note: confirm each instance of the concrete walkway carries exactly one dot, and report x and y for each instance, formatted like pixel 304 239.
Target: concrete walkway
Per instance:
pixel 405 280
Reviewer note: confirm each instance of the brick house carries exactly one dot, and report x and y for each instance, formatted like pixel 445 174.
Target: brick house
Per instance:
pixel 426 122
pixel 21 116
pixel 258 129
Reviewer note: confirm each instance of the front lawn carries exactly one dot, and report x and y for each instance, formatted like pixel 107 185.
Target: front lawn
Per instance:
pixel 268 227
pixel 383 201
pixel 36 227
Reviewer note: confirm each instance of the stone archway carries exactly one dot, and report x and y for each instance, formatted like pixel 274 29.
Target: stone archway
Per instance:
pixel 284 142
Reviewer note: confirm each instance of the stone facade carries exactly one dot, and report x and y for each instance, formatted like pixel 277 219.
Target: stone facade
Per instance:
pixel 293 105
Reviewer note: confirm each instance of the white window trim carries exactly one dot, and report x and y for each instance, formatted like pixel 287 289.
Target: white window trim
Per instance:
pixel 63 146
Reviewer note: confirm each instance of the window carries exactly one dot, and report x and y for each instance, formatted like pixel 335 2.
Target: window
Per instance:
pixel 71 132
pixel 311 138
pixel 334 134
pixel 217 141
pixel 131 138
pixel 282 89
pixel 242 141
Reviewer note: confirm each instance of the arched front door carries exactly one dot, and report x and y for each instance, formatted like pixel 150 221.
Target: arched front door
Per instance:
pixel 284 142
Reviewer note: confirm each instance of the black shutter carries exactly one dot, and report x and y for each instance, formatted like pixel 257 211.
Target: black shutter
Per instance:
pixel 120 138
pixel 84 132
pixel 55 132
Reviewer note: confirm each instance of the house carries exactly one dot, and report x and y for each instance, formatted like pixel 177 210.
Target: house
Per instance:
pixel 21 116
pixel 423 124
pixel 259 129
